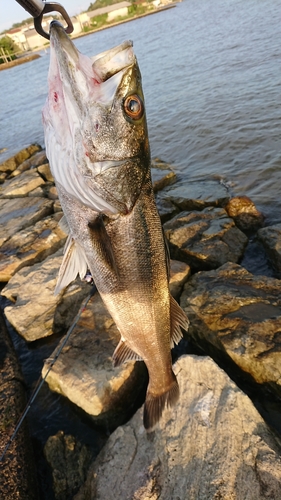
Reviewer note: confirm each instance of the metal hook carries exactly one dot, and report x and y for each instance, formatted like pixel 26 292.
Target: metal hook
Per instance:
pixel 52 7
pixel 37 8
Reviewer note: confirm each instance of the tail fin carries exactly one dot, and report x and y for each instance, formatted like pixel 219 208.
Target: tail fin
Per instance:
pixel 154 405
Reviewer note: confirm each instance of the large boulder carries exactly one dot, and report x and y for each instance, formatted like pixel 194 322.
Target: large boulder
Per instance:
pixel 270 237
pixel 234 314
pixel 31 245
pixel 36 312
pixel 19 213
pixel 205 239
pixel 69 461
pixel 212 445
pixel 12 163
pixel 195 195
pixel 244 213
pixel 21 185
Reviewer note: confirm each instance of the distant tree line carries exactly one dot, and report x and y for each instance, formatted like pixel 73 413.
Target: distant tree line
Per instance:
pixel 102 3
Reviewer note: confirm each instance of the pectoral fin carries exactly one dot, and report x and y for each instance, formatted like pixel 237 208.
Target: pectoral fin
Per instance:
pixel 178 321
pixel 74 262
pixel 63 224
pixel 124 353
pixel 102 246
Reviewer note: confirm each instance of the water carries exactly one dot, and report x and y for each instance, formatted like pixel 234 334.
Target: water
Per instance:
pixel 212 82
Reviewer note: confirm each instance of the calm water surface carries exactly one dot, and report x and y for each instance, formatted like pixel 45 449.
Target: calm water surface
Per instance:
pixel 212 81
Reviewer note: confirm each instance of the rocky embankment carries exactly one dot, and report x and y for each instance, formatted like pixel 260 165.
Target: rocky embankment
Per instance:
pixel 214 443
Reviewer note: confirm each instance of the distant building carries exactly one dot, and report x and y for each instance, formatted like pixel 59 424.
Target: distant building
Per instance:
pixel 120 9
pixel 27 38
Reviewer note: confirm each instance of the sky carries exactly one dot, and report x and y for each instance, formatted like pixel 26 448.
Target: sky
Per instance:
pixel 11 12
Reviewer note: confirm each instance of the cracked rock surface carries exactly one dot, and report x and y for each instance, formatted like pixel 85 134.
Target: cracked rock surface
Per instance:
pixel 212 445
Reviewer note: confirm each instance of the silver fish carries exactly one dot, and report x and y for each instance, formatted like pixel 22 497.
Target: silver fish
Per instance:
pixel 97 144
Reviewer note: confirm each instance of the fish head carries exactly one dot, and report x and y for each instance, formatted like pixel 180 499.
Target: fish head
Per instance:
pixel 95 124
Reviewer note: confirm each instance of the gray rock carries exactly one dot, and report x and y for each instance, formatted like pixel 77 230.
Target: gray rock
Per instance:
pixel 45 172
pixel 206 239
pixel 37 312
pixel 31 245
pixel 21 185
pixel 239 315
pixel 34 161
pixel 19 213
pixel 166 209
pixel 179 274
pixel 270 237
pixel 69 461
pixel 212 445
pixel 195 195
pixel 12 163
pixel 162 175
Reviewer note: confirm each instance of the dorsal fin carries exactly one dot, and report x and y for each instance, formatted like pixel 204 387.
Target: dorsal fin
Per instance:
pixel 179 321
pixel 74 262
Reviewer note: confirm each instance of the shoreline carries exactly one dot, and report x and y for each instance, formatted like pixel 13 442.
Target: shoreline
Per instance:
pixel 20 60
pixel 33 54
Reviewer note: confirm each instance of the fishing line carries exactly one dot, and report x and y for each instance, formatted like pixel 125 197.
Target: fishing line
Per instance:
pixel 41 380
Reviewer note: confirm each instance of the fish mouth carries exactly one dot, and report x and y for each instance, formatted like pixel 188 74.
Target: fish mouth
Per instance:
pixel 98 77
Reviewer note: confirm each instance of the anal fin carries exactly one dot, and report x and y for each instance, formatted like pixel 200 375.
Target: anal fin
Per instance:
pixel 179 321
pixel 124 353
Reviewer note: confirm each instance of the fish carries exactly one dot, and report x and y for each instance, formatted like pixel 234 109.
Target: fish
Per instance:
pixel 97 144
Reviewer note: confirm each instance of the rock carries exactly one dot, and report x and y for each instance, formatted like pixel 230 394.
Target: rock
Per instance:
pixel 245 214
pixel 179 274
pixel 17 469
pixel 195 195
pixel 69 460
pixel 162 175
pixel 57 206
pixel 45 172
pixel 84 372
pixel 12 163
pixel 166 209
pixel 21 185
pixel 19 213
pixel 31 245
pixel 35 160
pixel 238 315
pixel 53 193
pixel 3 177
pixel 37 193
pixel 212 445
pixel 206 239
pixel 37 312
pixel 270 237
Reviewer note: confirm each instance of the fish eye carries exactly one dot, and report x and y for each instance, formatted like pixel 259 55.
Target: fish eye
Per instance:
pixel 133 107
